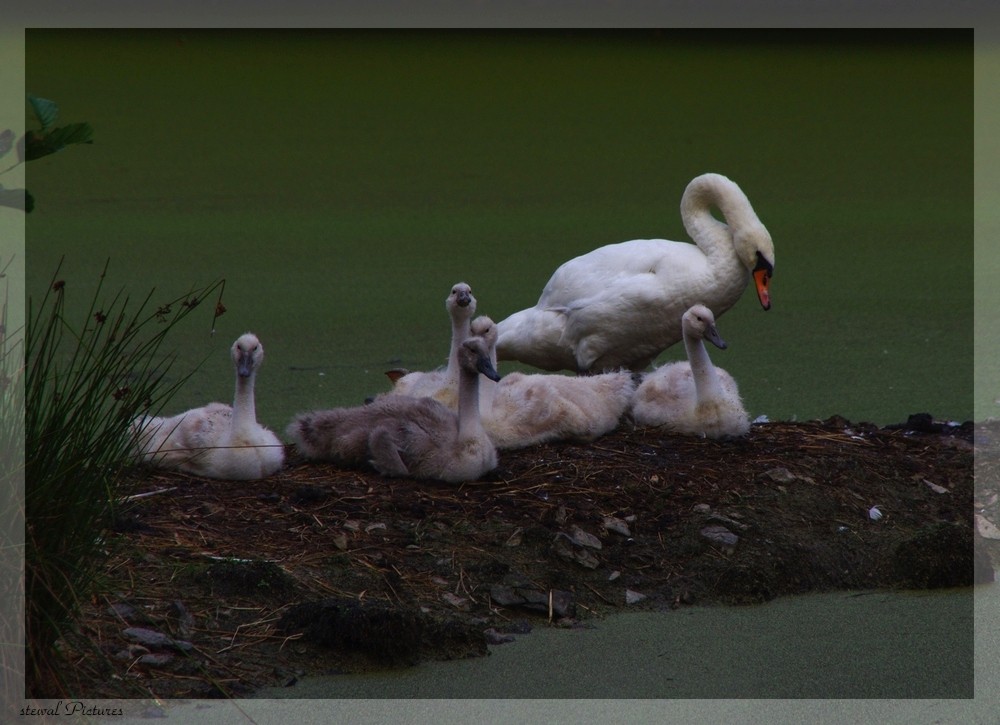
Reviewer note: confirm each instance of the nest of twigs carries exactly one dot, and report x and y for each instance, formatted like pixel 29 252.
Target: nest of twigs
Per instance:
pixel 321 569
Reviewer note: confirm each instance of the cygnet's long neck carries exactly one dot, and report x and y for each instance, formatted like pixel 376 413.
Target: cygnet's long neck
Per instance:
pixel 706 380
pixel 460 322
pixel 711 235
pixel 470 424
pixel 244 409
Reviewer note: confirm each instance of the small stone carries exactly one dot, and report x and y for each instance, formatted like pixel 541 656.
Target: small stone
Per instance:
pixel 456 601
pixel 375 527
pixel 583 538
pixel 614 575
pixel 987 529
pixel 569 549
pixel 701 508
pixel 632 597
pixel 494 637
pixel 352 525
pixel 720 535
pixel 340 542
pixel 781 475
pixel 155 660
pixel 935 488
pixel 617 526
pixel 154 639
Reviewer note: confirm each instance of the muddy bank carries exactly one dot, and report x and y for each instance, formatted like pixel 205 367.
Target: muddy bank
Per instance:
pixel 319 570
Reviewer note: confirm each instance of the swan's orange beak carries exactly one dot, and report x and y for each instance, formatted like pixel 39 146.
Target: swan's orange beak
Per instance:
pixel 762 278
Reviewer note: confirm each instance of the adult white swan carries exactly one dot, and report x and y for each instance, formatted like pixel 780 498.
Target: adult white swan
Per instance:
pixel 217 440
pixel 692 396
pixel 620 305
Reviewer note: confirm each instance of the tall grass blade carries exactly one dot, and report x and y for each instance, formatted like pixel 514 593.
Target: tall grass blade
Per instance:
pixel 87 379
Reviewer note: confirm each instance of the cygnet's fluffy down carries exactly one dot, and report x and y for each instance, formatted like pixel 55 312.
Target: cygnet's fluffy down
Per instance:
pixel 693 396
pixel 527 409
pixel 406 436
pixel 217 440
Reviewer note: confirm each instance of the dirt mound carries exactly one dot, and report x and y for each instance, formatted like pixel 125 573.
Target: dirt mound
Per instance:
pixel 319 569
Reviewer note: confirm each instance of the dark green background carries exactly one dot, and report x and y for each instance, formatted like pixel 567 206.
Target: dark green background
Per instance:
pixel 341 182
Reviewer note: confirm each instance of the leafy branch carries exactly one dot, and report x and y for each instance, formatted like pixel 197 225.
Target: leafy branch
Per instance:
pixel 38 143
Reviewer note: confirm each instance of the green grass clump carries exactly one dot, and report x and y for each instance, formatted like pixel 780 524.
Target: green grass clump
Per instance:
pixel 85 382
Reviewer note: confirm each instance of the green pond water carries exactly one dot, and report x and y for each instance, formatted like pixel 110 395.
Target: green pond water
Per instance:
pixel 846 657
pixel 341 182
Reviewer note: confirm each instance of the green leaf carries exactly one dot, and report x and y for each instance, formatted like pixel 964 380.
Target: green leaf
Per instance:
pixel 46 111
pixel 71 134
pixel 38 145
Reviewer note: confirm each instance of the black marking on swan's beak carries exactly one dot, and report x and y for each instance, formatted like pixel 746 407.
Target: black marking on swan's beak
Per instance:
pixel 485 366
pixel 762 274
pixel 464 298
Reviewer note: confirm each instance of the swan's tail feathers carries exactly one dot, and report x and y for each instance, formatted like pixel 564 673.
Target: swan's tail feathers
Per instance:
pixel 305 434
pixel 338 434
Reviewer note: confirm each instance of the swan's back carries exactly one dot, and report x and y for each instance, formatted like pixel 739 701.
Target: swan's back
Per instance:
pixel 341 434
pixel 528 409
pixel 619 306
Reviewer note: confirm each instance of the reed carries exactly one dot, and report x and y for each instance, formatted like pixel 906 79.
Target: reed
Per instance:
pixel 86 379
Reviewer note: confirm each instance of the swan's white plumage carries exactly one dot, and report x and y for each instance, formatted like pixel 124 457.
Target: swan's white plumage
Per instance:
pixel 442 385
pixel 619 306
pixel 527 409
pixel 692 396
pixel 217 440
pixel 403 435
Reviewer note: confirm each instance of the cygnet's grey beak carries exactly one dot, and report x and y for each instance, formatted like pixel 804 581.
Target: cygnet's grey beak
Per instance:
pixel 244 364
pixel 712 335
pixel 464 298
pixel 485 366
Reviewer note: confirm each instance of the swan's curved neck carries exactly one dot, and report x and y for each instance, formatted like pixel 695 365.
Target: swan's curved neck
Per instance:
pixel 711 235
pixel 244 409
pixel 706 380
